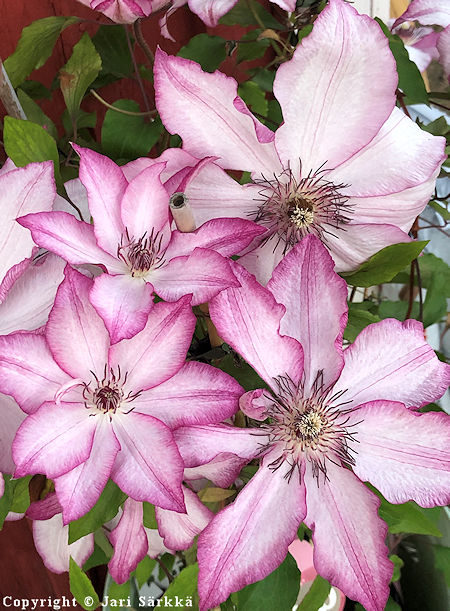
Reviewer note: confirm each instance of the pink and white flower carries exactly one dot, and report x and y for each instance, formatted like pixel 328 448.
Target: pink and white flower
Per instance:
pixel 132 238
pixel 121 11
pixel 346 164
pixel 98 410
pixel 331 420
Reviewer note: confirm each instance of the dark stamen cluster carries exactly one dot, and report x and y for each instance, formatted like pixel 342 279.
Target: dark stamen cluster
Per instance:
pixel 292 208
pixel 143 254
pixel 108 395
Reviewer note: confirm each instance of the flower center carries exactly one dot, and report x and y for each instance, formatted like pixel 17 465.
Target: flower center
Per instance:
pixel 143 254
pixel 109 394
pixel 291 208
pixel 314 428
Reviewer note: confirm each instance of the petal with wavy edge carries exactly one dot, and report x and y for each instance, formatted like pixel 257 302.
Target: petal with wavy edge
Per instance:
pixel 123 302
pixel 348 536
pixel 105 185
pixel 248 318
pixel 236 548
pixel 303 281
pixel 405 455
pixel 222 470
pixel 156 353
pixel 175 159
pixel 199 107
pixel 351 245
pixel 76 335
pixel 24 190
pixel 255 404
pixel 391 360
pixel 28 371
pixel 210 11
pixel 145 204
pixel 197 394
pixel 153 476
pixel 14 274
pixel 178 529
pixel 263 259
pixel 11 418
pixel 400 156
pixel 334 97
pixel 227 236
pixel 51 539
pixel 155 543
pixel 199 445
pixel 54 440
pixel 202 274
pixel 426 12
pixel 73 240
pixel 129 540
pixel 79 489
pixel 400 208
pixel 32 295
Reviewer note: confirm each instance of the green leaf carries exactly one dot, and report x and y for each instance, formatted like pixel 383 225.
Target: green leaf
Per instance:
pixel 254 97
pixel 117 591
pixel 111 44
pixel 35 46
pixel 358 319
pixel 185 584
pixel 79 72
pixel 242 372
pixel 429 265
pixel 103 511
pixel 398 563
pixel 304 32
pixel 6 499
pixel 81 587
pixel 149 515
pixel 97 558
pixel 440 209
pixel 438 127
pixel 385 264
pixel 144 570
pixel 36 91
pixel 278 590
pixel 409 78
pixel 435 304
pixel 128 137
pixel 263 78
pixel 316 596
pixel 208 51
pixel 442 561
pixel 84 119
pixel 250 48
pixel 26 142
pixel 250 12
pixel 397 309
pixel 34 113
pixel 21 495
pixel 407 518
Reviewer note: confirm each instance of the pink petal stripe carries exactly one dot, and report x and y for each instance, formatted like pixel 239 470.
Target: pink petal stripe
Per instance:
pixel 129 540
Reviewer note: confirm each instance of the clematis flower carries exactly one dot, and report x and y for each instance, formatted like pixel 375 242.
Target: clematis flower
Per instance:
pixel 100 411
pixel 420 43
pixel 331 420
pixel 121 11
pixel 427 12
pixel 346 165
pixel 133 240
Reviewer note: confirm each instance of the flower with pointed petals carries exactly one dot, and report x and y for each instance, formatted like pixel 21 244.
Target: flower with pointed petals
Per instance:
pixel 133 240
pixel 99 410
pixel 331 419
pixel 345 165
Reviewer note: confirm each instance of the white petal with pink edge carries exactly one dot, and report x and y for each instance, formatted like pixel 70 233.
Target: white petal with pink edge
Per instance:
pixel 236 548
pixel 159 350
pixel 11 418
pixel 391 360
pixel 197 394
pixel 404 454
pixel 129 541
pixel 334 97
pixel 154 476
pixel 303 282
pixel 348 536
pixel 248 318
